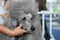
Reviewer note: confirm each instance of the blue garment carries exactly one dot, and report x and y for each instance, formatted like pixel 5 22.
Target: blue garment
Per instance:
pixel 2 10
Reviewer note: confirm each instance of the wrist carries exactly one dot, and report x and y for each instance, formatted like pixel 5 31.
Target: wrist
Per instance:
pixel 12 33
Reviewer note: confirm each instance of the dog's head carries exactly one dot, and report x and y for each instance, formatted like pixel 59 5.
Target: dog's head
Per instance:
pixel 27 22
pixel 24 12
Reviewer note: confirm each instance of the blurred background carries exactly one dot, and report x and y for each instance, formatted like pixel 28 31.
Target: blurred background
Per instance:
pixel 53 6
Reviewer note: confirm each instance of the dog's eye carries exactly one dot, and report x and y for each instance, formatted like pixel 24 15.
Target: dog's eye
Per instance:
pixel 24 18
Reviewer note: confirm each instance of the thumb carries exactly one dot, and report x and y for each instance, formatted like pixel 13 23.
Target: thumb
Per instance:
pixel 20 26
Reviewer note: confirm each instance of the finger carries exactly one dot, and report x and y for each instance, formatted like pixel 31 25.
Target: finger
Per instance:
pixel 25 31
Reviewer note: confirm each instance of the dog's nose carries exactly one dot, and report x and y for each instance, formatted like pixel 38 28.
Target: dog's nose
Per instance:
pixel 33 28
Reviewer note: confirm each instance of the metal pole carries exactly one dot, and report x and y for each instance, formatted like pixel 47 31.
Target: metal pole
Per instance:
pixel 43 26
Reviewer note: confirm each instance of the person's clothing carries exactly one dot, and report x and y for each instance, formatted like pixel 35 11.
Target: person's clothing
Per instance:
pixel 2 11
pixel 1 20
pixel 1 3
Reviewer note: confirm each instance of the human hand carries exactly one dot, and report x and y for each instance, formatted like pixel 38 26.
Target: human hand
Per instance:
pixel 19 31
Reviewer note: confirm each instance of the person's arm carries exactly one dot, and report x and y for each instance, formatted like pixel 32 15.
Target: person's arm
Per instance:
pixel 15 32
pixel 4 29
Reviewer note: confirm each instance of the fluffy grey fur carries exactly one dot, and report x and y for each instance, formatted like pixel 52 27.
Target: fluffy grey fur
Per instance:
pixel 17 10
